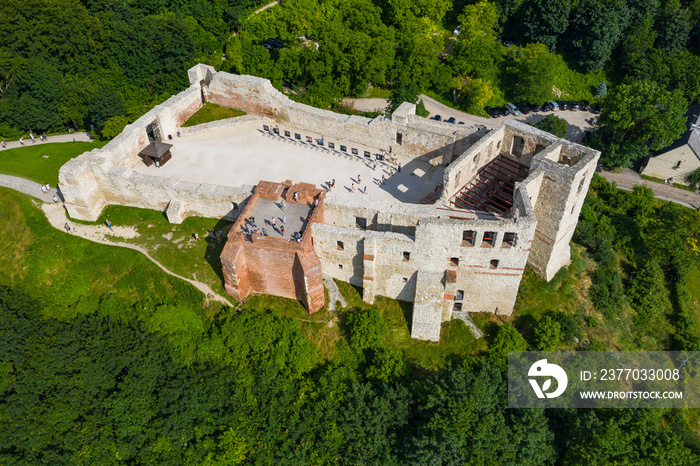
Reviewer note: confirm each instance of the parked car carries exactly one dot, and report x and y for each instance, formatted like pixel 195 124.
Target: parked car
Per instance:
pixel 512 109
pixel 524 108
pixel 507 43
pixel 275 43
pixel 573 105
pixel 563 105
pixel 457 30
pixel 585 105
pixel 450 120
pixel 546 107
pixel 535 107
pixel 460 123
pixel 595 108
pixel 552 105
pixel 437 118
pixel 504 111
pixel 492 111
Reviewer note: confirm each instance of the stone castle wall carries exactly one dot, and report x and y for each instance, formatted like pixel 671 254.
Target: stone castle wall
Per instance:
pixel 404 251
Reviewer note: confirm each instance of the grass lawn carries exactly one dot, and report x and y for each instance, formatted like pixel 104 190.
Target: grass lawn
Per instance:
pixel 72 276
pixel 28 162
pixel 173 245
pixel 210 112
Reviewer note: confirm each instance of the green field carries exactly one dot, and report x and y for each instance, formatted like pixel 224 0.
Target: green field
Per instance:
pixel 211 112
pixel 29 162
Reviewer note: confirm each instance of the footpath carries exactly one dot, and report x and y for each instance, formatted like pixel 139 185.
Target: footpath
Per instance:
pixel 70 137
pixel 56 214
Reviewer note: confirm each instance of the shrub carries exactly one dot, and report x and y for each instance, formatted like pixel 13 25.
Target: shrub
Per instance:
pixel 367 328
pixel 548 334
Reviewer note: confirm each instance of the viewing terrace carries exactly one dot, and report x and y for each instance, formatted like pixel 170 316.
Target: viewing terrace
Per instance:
pixel 245 153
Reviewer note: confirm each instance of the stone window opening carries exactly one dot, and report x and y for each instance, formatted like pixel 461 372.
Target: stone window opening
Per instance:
pixel 405 279
pixel 468 238
pixel 340 266
pixel 498 146
pixel 489 239
pixel 460 295
pixel 677 165
pixel 518 146
pixel 399 138
pixel 406 256
pixel 494 263
pixel 539 148
pixel 457 307
pixel 454 261
pixel 340 246
pixel 235 206
pixel 361 223
pixel 580 185
pixel 508 240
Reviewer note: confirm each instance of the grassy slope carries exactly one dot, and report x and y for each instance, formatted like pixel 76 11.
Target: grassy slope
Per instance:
pixel 28 162
pixel 173 245
pixel 74 276
pixel 211 112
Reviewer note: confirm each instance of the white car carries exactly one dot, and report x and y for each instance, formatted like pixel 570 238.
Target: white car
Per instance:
pixel 513 109
pixel 553 104
pixel 457 29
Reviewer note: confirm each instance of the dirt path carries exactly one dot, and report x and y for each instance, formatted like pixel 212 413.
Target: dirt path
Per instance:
pixel 269 5
pixel 57 217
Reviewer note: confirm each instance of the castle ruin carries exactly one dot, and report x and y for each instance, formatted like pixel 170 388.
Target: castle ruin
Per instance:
pixel 503 198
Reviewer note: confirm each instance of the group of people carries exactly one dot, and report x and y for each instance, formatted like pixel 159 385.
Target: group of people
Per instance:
pixel 42 137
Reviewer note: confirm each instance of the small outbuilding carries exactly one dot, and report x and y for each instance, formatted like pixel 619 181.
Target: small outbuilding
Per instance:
pixel 156 152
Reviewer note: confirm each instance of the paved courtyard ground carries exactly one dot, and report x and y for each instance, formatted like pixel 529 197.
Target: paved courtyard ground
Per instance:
pixel 245 154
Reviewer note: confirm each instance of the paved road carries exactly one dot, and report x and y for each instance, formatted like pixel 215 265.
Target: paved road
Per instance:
pixel 628 179
pixel 72 137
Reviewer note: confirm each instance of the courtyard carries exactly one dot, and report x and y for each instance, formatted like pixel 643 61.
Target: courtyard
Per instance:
pixel 245 154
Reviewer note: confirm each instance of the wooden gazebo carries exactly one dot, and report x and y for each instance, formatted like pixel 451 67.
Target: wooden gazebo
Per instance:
pixel 156 152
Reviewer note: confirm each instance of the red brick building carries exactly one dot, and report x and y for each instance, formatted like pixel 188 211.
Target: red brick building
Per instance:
pixel 280 263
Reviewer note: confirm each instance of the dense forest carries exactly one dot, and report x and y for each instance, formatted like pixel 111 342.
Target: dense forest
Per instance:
pixel 103 63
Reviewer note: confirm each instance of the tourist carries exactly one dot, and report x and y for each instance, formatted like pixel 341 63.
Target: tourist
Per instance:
pixel 284 219
pixel 399 170
pixel 333 183
pixel 374 166
pixel 67 227
pixel 221 235
pixel 316 202
pixel 31 135
pixel 352 188
pixel 359 179
pixel 196 236
pixel 383 179
pixel 322 139
pixel 21 140
pixel 365 190
pixel 43 189
pixel 55 199
pixel 48 188
pixel 282 205
pixel 273 221
pixel 44 136
pixel 264 232
pixel 296 196
pixel 109 225
pixel 390 149
pixel 282 230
